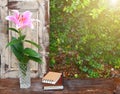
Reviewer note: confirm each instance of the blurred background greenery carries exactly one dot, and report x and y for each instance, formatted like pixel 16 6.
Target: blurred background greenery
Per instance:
pixel 85 37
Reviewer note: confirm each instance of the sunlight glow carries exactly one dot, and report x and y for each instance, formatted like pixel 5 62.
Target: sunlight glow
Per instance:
pixel 114 2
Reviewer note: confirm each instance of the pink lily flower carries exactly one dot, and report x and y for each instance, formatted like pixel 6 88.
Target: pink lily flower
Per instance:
pixel 21 20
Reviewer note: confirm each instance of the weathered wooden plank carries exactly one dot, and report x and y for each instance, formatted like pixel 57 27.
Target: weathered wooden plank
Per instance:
pixel 4 38
pixel 3 14
pixel 90 86
pixel 26 5
pixel 3 54
pixel 42 36
pixel 3 3
pixel 46 40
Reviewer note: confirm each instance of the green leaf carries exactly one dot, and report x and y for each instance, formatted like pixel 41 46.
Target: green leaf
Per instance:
pixel 36 59
pixel 33 43
pixel 31 53
pixel 25 59
pixel 13 29
pixel 17 48
pixel 13 41
pixel 22 37
pixel 17 53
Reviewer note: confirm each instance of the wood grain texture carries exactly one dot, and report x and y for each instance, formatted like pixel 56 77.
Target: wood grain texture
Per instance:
pixel 43 32
pixel 4 38
pixel 3 14
pixel 89 86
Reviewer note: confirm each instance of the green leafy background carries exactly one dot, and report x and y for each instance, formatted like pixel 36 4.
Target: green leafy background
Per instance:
pixel 87 34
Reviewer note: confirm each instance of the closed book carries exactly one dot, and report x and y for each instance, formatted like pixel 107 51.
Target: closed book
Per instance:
pixel 57 86
pixel 51 77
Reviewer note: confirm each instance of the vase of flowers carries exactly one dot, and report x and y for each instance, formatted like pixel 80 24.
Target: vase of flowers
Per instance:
pixel 23 54
pixel 24 75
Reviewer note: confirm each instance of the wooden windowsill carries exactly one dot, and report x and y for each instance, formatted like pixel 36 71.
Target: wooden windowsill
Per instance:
pixel 76 86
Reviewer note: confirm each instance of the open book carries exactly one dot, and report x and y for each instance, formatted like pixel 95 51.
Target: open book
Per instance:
pixel 51 77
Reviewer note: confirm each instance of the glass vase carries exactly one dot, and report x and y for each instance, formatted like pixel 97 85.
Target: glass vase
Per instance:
pixel 24 75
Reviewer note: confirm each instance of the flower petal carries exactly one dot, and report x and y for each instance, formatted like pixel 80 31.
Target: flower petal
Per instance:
pixel 16 13
pixel 11 18
pixel 21 20
pixel 27 19
pixel 27 14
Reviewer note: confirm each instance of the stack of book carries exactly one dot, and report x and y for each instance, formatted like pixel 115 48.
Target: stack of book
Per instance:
pixel 52 81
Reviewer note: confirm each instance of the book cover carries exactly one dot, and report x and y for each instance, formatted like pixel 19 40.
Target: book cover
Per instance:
pixel 51 77
pixel 57 86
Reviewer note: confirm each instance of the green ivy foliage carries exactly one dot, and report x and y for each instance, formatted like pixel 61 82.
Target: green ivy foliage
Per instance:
pixel 87 32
